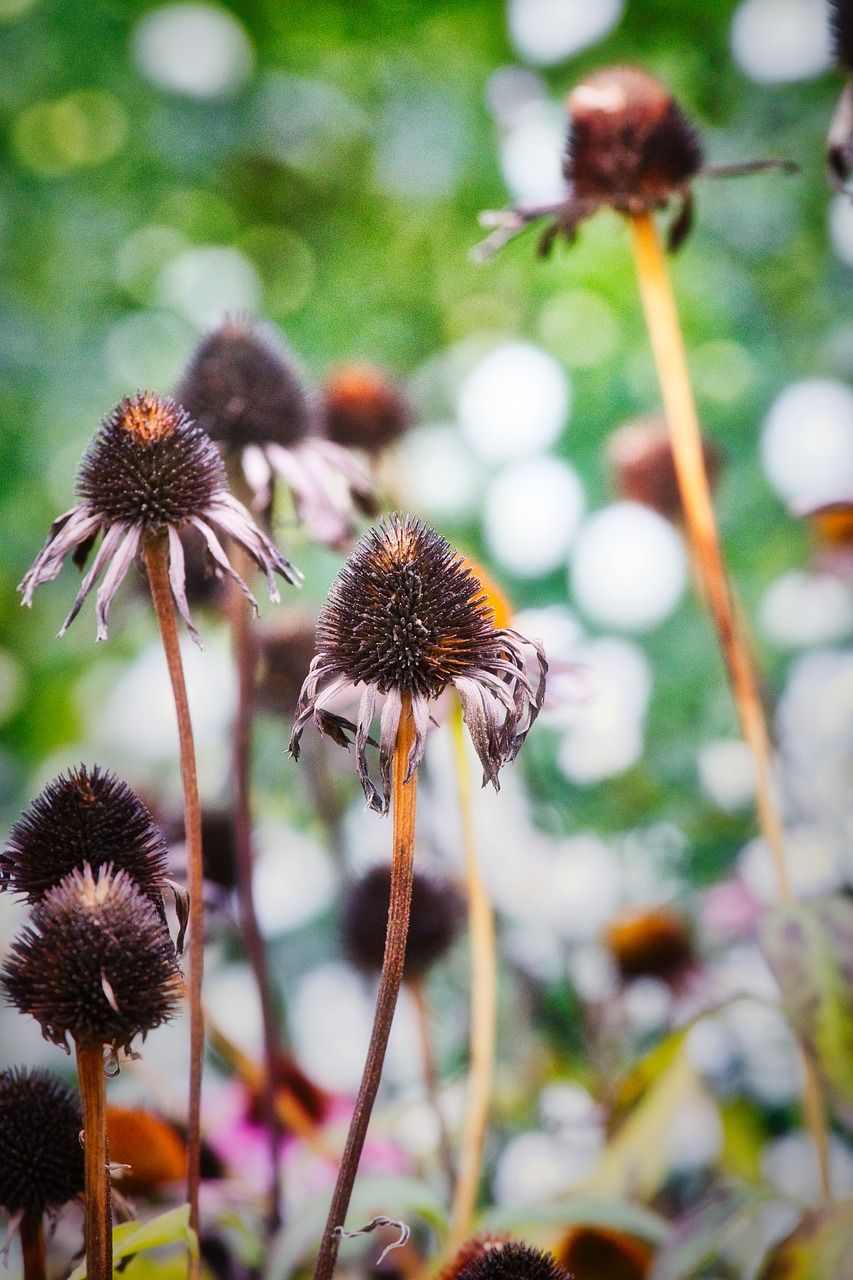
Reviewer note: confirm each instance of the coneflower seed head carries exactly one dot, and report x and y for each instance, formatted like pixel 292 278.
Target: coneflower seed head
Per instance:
pixel 363 408
pixel 436 914
pixel 511 1260
pixel 41 1159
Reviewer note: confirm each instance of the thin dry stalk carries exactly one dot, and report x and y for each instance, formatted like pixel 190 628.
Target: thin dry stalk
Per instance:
pixel 98 1209
pixel 32 1246
pixel 419 996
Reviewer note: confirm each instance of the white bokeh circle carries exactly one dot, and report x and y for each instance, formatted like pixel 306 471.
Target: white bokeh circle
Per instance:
pixel 532 512
pixel 515 401
pixel 199 50
pixel 807 442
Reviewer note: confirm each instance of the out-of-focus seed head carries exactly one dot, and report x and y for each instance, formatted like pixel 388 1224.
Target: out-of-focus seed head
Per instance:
pixel 841 26
pixel 150 466
pixel 364 409
pixel 87 816
pixel 630 144
pixel 244 390
pixel 97 963
pixel 496 1259
pixel 286 650
pixel 147 1151
pixel 640 456
pixel 436 915
pixel 41 1159
pixel 590 1253
pixel 294 1086
pixel 405 614
pixel 650 942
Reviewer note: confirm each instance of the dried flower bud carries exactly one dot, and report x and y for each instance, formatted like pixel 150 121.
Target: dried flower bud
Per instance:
pixel 41 1159
pixel 495 1259
pixel 640 455
pixel 286 650
pixel 841 26
pixel 589 1253
pixel 630 145
pixel 147 1151
pixel 87 816
pixel 150 466
pixel 364 409
pixel 242 390
pixel 97 965
pixel 650 942
pixel 436 914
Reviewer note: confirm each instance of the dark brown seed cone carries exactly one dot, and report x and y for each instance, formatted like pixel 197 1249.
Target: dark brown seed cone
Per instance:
pixel 97 965
pixel 286 650
pixel 41 1159
pixel 508 1260
pixel 363 408
pixel 149 465
pixel 630 145
pixel 640 457
pixel 87 816
pixel 650 942
pixel 591 1253
pixel 841 26
pixel 436 915
pixel 471 1251
pixel 405 614
pixel 244 390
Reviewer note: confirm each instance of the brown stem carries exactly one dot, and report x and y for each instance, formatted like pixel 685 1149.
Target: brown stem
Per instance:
pixel 481 924
pixel 683 421
pixel 156 560
pixel 431 1077
pixel 245 658
pixel 98 1211
pixel 32 1246
pixel 402 864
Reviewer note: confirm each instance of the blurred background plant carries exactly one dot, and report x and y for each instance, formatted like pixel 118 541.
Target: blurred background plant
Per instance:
pixel 322 167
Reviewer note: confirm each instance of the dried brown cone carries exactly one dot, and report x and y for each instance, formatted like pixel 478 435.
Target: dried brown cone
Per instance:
pixel 96 965
pixel 41 1159
pixel 641 460
pixel 436 915
pixel 364 408
pixel 650 942
pixel 590 1253
pixel 86 816
pixel 841 27
pixel 496 1258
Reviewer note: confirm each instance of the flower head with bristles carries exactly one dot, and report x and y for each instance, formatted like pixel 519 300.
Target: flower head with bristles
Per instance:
pixel 495 1258
pixel 436 913
pixel 150 472
pixel 244 389
pixel 97 963
pixel 841 28
pixel 839 149
pixel 41 1159
pixel 405 618
pixel 87 816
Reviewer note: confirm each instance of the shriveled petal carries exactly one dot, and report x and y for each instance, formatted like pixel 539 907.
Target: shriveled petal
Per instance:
pixel 178 582
pixel 214 546
pixel 237 521
pixel 420 716
pixel 67 531
pixel 258 475
pixel 485 724
pixel 366 709
pixel 322 682
pixel 388 725
pixel 322 503
pixel 119 565
pixel 358 475
pixel 112 538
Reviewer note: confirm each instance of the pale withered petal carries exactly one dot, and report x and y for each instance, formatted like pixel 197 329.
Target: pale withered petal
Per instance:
pixel 406 617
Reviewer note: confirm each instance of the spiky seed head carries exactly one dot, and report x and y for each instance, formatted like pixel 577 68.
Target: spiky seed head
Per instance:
pixel 652 942
pixel 497 601
pixel 86 816
pixel 590 1252
pixel 147 1151
pixel 405 614
pixel 841 26
pixel 244 390
pixel 41 1159
pixel 364 409
pixel 149 465
pixel 630 145
pixel 436 915
pixel 286 650
pixel 641 459
pixel 499 1259
pixel 470 1251
pixel 97 964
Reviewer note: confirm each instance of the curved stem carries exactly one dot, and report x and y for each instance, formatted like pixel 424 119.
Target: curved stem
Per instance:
pixel 98 1209
pixel 157 564
pixel 481 924
pixel 431 1076
pixel 32 1246
pixel 245 658
pixel 403 807
pixel 683 421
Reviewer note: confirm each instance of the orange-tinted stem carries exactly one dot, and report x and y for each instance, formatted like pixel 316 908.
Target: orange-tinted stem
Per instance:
pixel 98 1209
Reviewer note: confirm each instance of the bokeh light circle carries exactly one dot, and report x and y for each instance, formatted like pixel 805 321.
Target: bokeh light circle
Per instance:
pixel 198 50
pixel 513 402
pixel 532 511
pixel 807 442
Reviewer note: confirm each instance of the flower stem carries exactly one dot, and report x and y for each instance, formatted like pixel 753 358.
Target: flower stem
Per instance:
pixel 98 1211
pixel 245 659
pixel 431 1076
pixel 481 924
pixel 683 421
pixel 156 561
pixel 403 800
pixel 32 1246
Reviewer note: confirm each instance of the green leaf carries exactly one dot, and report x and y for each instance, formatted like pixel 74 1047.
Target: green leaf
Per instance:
pixel 586 1211
pixel 809 946
pixel 820 1248
pixel 172 1227
pixel 696 1239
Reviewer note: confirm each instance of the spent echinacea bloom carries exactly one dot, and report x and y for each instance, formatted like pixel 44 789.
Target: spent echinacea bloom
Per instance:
pixel 405 620
pixel 150 472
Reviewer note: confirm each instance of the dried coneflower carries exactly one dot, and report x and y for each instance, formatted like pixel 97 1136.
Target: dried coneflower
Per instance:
pixel 96 966
pixel 496 1258
pixel 403 622
pixel 86 816
pixel 650 942
pixel 363 408
pixel 643 467
pixel 41 1160
pixel 839 145
pixel 590 1253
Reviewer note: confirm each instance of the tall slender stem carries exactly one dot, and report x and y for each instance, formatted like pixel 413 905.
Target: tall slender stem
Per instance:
pixel 481 924
pixel 404 796
pixel 32 1246
pixel 245 659
pixel 156 560
pixel 419 996
pixel 98 1211
pixel 680 407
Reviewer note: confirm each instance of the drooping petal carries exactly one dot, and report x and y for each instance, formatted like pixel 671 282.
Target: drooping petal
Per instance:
pixel 236 520
pixel 119 565
pixel 214 546
pixel 178 582
pixel 67 531
pixel 321 504
pixel 258 475
pixel 420 716
pixel 484 723
pixel 388 726
pixel 366 709
pixel 112 538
